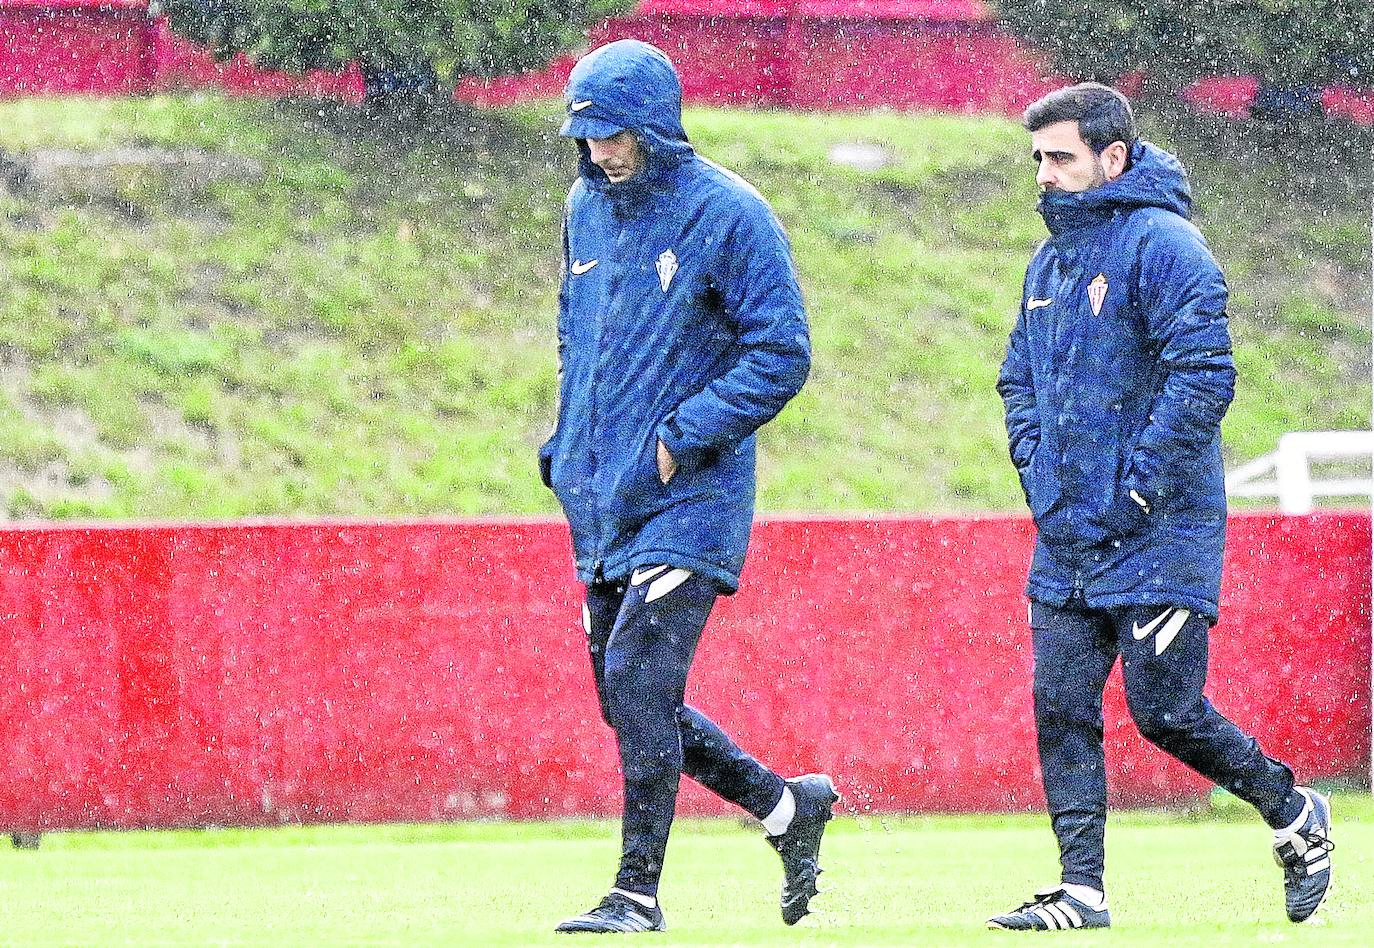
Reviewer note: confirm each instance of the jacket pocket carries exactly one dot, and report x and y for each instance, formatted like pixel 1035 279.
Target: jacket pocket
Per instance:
pixel 639 493
pixel 1059 524
pixel 1058 519
pixel 1041 490
pixel 1127 517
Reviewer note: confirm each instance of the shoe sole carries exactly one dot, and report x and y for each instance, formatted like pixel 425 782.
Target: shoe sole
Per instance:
pixel 997 927
pixel 564 929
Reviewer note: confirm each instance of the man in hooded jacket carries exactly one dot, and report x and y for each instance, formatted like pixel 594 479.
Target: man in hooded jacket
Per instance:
pixel 681 331
pixel 1116 379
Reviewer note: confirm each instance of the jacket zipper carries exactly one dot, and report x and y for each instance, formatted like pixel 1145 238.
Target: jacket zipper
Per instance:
pixel 615 277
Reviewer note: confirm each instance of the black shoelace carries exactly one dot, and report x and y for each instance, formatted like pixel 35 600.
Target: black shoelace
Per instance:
pixel 1045 899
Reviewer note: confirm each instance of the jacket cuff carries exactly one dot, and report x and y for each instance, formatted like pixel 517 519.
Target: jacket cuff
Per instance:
pixel 1150 488
pixel 546 465
pixel 688 457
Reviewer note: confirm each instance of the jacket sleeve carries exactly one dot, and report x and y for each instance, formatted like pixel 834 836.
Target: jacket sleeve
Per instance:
pixel 1017 388
pixel 759 291
pixel 546 450
pixel 1183 296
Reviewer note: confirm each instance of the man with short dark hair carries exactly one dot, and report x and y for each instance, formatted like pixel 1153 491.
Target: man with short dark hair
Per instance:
pixel 681 331
pixel 1117 376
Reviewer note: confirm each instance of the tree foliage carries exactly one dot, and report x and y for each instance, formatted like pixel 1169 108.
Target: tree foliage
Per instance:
pixel 407 40
pixel 1286 43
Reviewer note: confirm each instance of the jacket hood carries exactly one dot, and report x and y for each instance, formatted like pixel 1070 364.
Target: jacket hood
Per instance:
pixel 1155 179
pixel 627 85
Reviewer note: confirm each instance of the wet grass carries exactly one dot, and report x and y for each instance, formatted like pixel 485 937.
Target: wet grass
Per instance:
pixel 361 322
pixel 1184 879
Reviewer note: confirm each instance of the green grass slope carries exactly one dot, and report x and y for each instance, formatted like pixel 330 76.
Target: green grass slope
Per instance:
pixel 359 322
pixel 894 881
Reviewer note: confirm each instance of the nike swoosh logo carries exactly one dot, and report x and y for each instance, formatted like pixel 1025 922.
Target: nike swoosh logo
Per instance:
pixel 579 268
pixel 640 575
pixel 579 106
pixel 1034 303
pixel 1141 632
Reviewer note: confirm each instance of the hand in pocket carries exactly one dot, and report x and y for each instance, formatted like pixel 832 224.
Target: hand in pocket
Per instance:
pixel 667 467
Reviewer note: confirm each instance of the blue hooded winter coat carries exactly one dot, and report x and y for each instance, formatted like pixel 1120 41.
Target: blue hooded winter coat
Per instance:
pixel 679 320
pixel 1116 379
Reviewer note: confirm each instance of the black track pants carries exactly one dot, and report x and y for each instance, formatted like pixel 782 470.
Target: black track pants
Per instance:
pixel 642 633
pixel 1164 668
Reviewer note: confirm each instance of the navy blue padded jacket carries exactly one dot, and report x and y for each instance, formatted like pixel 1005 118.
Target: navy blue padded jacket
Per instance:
pixel 1116 379
pixel 680 319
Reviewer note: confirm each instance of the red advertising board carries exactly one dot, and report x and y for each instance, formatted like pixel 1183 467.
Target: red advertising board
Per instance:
pixel 335 671
pixel 945 55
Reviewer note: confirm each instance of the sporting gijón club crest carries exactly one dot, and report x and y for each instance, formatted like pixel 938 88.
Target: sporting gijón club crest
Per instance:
pixel 667 268
pixel 1097 293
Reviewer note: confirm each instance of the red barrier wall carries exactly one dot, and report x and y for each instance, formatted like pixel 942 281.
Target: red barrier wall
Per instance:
pixel 820 61
pixel 945 55
pixel 110 47
pixel 179 63
pixel 74 46
pixel 256 673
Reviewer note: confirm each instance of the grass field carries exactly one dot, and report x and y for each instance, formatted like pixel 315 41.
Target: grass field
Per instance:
pixel 360 321
pixel 1184 880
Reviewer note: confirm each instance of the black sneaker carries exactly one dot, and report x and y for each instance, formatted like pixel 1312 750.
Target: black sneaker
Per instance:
pixel 1305 858
pixel 1051 910
pixel 616 914
pixel 800 846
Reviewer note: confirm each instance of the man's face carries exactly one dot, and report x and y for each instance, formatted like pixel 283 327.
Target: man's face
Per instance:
pixel 620 156
pixel 1065 162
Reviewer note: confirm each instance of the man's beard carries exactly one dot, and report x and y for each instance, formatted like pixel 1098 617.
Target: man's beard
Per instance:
pixel 1099 174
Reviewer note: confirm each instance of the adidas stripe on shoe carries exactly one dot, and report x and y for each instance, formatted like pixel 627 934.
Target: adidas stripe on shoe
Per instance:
pixel 1305 857
pixel 1051 910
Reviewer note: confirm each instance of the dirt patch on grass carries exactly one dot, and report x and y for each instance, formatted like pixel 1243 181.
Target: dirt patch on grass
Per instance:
pixel 127 179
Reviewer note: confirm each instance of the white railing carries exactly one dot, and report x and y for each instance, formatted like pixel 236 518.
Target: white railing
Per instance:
pixel 1287 473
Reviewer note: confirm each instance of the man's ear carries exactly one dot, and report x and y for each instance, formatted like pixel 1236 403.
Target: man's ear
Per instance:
pixel 1114 160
